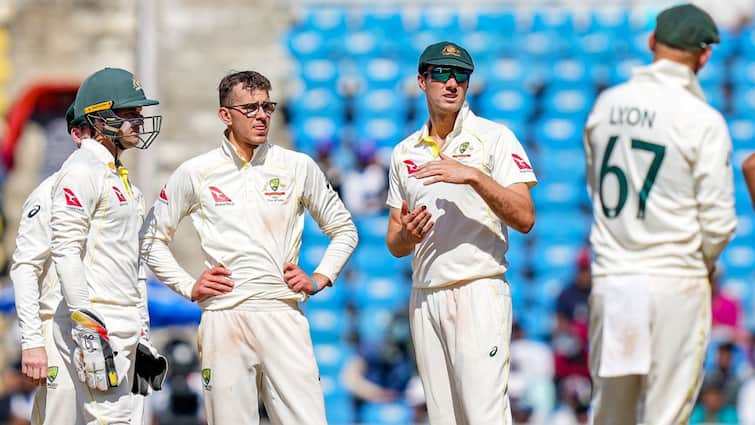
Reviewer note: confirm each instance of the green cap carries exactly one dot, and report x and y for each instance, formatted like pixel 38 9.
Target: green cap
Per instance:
pixel 686 27
pixel 109 88
pixel 445 53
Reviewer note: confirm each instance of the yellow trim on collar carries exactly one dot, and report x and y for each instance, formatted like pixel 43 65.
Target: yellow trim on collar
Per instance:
pixel 429 141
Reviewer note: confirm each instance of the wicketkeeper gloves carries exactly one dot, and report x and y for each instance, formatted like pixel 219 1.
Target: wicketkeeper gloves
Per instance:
pixel 93 355
pixel 150 369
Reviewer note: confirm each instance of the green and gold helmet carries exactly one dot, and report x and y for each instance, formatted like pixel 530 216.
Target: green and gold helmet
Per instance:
pixel 107 91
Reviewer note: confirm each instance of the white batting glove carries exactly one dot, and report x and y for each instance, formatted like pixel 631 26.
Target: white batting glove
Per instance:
pixel 93 355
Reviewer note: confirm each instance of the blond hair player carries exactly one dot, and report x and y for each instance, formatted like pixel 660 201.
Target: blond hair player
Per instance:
pixel 456 185
pixel 246 199
pixel 660 176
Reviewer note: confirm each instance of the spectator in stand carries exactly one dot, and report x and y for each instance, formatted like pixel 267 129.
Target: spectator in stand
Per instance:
pixel 381 371
pixel 712 407
pixel 18 396
pixel 725 372
pixel 325 160
pixel 365 188
pixel 572 314
pixel 726 312
pixel 180 402
pixel 574 394
pixel 531 375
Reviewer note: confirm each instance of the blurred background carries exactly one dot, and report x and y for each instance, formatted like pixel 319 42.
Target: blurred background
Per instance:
pixel 345 74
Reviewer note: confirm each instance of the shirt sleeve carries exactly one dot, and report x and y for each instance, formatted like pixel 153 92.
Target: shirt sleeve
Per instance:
pixel 141 283
pixel 334 220
pixel 395 190
pixel 714 185
pixel 176 200
pixel 74 200
pixel 28 265
pixel 510 163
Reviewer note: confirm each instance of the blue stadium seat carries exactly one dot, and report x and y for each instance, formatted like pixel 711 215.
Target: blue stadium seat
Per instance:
pixel 516 104
pixel 559 196
pixel 482 45
pixel 340 410
pixel 385 132
pixel 560 164
pixel 556 256
pixel 310 255
pixel 314 129
pixel 387 292
pixel 319 101
pixel 372 229
pixel 713 74
pixel 622 70
pixel 739 258
pixel 518 126
pixel 555 19
pixel 381 103
pixel 329 21
pixel 381 73
pixel 363 45
pixel 568 102
pixel 327 326
pixel 614 20
pixel 541 45
pixel 537 322
pixel 744 101
pixel 332 298
pixel 511 73
pixel 331 358
pixel 306 45
pixel 440 20
pixel 715 95
pixel 555 226
pixel 166 308
pixel 743 73
pixel 501 22
pixel 742 131
pixel 572 74
pixel 413 43
pixel 546 288
pixel 745 228
pixel 395 413
pixel 597 47
pixel 372 324
pixel 559 133
pixel 747 42
pixel 743 203
pixel 317 73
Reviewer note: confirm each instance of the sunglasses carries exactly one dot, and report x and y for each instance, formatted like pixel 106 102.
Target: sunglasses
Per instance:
pixel 444 73
pixel 249 110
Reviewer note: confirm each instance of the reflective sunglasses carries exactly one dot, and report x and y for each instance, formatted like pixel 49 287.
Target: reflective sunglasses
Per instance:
pixel 444 73
pixel 249 110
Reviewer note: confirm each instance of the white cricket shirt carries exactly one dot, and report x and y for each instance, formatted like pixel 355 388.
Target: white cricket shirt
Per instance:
pixel 249 216
pixel 660 176
pixel 95 224
pixel 468 240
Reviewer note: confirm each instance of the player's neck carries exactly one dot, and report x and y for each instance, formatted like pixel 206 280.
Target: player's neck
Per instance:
pixel 441 125
pixel 244 150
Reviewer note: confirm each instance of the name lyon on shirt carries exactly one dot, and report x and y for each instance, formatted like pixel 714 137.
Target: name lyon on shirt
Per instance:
pixel 631 115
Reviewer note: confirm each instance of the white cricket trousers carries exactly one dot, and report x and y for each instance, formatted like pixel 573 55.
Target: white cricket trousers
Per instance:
pixel 680 321
pixel 262 353
pixel 115 406
pixel 461 338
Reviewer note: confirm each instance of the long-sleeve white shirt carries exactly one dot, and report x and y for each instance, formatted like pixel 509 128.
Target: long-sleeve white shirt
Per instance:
pixel 249 216
pixel 95 226
pixel 660 176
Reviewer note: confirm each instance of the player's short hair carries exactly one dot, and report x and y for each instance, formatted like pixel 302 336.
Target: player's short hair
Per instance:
pixel 250 80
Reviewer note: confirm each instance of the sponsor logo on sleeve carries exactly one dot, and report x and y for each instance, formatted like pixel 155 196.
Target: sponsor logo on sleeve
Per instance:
pixel 34 211
pixel 163 196
pixel 119 195
pixel 411 167
pixel 521 163
pixel 71 199
pixel 219 197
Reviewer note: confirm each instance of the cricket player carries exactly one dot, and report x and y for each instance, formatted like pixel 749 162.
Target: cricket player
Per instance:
pixel 94 222
pixel 456 185
pixel 246 200
pixel 660 177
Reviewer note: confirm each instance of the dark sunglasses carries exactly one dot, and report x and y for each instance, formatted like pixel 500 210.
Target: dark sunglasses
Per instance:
pixel 444 73
pixel 250 109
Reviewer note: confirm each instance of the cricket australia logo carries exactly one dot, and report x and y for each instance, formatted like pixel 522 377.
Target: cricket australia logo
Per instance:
pixel 206 378
pixel 52 374
pixel 275 189
pixel 461 151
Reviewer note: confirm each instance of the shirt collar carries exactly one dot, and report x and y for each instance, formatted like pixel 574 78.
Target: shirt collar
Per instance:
pixel 258 155
pixel 100 152
pixel 424 135
pixel 670 72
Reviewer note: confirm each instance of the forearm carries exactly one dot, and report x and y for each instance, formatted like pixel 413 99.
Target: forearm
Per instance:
pixel 511 207
pixel 398 246
pixel 157 255
pixel 25 280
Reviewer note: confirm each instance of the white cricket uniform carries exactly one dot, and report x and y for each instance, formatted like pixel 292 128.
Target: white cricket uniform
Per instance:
pixel 460 311
pixel 38 296
pixel 249 216
pixel 660 177
pixel 95 225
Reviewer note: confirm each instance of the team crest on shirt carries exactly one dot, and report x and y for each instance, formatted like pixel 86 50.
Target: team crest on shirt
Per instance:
pixel 52 374
pixel 206 378
pixel 163 196
pixel 461 151
pixel 119 195
pixel 219 197
pixel 521 163
pixel 275 190
pixel 71 199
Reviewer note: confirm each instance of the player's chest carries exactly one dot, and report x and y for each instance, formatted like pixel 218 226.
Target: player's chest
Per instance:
pixel 236 194
pixel 118 204
pixel 468 151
